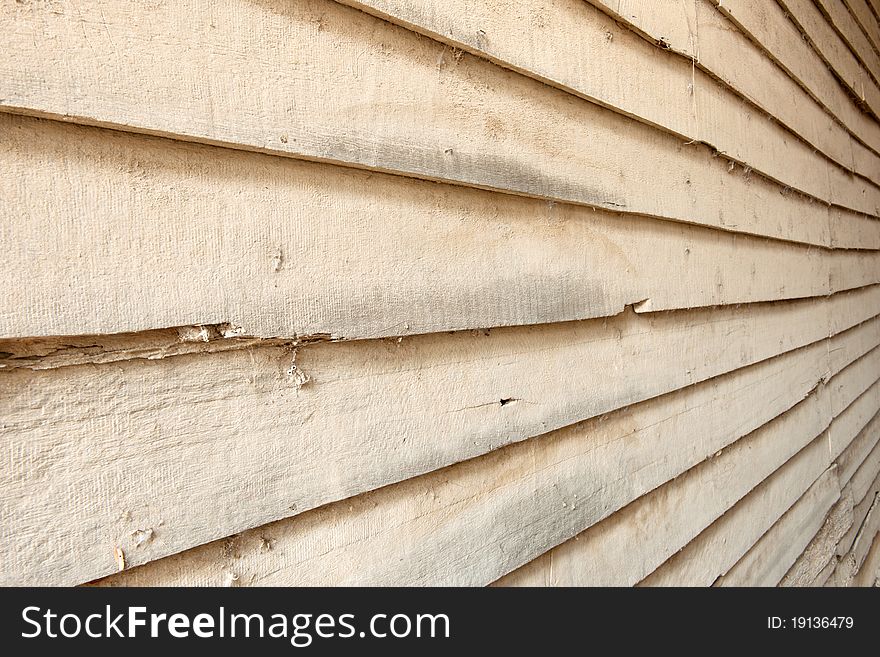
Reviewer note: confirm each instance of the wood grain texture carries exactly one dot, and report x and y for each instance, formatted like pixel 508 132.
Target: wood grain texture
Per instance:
pixel 866 20
pixel 356 90
pixel 720 546
pixel 709 37
pixel 575 47
pixel 473 522
pixel 819 553
pixel 128 233
pixel 768 560
pixel 696 500
pixel 846 26
pixel 833 50
pixel 108 442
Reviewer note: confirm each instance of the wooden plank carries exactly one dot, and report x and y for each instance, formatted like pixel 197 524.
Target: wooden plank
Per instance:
pixel 475 521
pixel 864 16
pixel 97 458
pixel 865 538
pixel 860 510
pixel 815 564
pixel 865 475
pixel 854 455
pixel 165 234
pixel 355 90
pixel 767 25
pixel 722 544
pixel 825 574
pixel 869 572
pixel 768 560
pixel 843 22
pixel 598 555
pixel 604 554
pixel 728 54
pixel 554 42
pixel 834 51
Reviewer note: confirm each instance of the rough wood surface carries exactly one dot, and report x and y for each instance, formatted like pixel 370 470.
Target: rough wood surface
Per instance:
pixel 353 89
pixel 767 561
pixel 473 522
pixel 818 555
pixel 728 54
pixel 172 234
pixel 720 546
pixel 833 49
pixel 846 26
pixel 573 46
pixel 114 439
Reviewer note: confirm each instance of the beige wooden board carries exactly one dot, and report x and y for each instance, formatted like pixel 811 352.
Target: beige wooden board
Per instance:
pixel 626 547
pixel 834 51
pixel 869 572
pixel 720 546
pixel 128 233
pixel 104 442
pixel 865 475
pixel 824 576
pixel 854 455
pixel 353 89
pixel 864 16
pixel 475 521
pixel 728 54
pixel 767 24
pixel 767 561
pixel 814 562
pixel 845 24
pixel 860 510
pixel 866 536
pixel 574 46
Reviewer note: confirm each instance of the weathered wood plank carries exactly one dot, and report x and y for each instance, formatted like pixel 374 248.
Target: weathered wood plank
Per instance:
pixel 834 51
pixel 860 510
pixel 356 90
pixel 767 561
pixel 855 453
pixel 864 16
pixel 869 572
pixel 604 554
pixel 843 22
pixel 728 54
pixel 90 444
pixel 814 566
pixel 475 521
pixel 722 544
pixel 126 233
pixel 572 45
pixel 729 476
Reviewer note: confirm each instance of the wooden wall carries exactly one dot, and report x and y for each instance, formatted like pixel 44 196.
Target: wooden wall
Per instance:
pixel 304 292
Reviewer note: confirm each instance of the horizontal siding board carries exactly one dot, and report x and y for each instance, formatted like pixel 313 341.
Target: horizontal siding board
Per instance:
pixel 182 234
pixel 846 26
pixel 603 554
pixel 720 546
pixel 768 560
pixel 855 453
pixel 866 20
pixel 860 511
pixel 728 54
pixel 695 500
pixel 834 51
pixel 473 522
pixel 869 572
pixel 490 128
pixel 380 404
pixel 814 562
pixel 573 46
